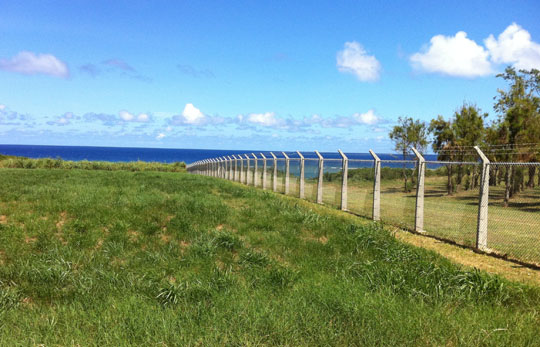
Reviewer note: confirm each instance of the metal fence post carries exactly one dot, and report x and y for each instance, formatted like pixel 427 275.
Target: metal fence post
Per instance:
pixel 302 187
pixel 254 169
pixel 376 186
pixel 264 172
pixel 247 170
pixel 274 176
pixel 287 165
pixel 224 168
pixel 482 227
pixel 419 209
pixel 320 179
pixel 345 169
pixel 231 176
pixel 236 174
pixel 241 169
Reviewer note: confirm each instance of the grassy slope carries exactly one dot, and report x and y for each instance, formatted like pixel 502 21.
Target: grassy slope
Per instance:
pixel 513 230
pixel 95 257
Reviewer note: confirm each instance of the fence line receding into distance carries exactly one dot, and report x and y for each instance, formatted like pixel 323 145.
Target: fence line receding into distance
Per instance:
pixel 446 199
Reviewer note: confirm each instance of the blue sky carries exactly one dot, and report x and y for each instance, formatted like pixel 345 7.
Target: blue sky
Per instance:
pixel 250 75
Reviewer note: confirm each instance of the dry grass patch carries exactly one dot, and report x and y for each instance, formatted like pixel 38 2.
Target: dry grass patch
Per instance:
pixel 165 238
pixel 470 259
pixel 30 239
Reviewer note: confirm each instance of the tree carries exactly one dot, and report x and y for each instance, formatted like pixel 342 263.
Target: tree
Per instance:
pixel 519 118
pixel 409 133
pixel 468 128
pixel 454 139
pixel 444 142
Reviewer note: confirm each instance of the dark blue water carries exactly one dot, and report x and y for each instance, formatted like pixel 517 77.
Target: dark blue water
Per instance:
pixel 165 155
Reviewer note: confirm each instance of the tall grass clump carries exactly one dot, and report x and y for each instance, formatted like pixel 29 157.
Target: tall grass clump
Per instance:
pixel 48 163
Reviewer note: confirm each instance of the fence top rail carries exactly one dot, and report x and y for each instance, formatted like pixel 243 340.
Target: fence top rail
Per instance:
pixel 398 161
pixel 452 162
pixel 515 163
pixel 362 160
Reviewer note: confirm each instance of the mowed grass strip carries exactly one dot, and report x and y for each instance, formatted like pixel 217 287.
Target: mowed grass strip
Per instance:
pixel 148 258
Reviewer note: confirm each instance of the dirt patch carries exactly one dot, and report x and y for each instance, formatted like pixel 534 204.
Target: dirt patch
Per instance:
pixel 118 262
pixel 219 227
pixel 98 245
pixel 28 301
pixel 323 240
pixel 165 238
pixel 29 239
pixel 470 259
pixel 307 235
pixel 220 264
pixel 167 220
pixel 3 219
pixel 185 244
pixel 133 235
pixel 61 221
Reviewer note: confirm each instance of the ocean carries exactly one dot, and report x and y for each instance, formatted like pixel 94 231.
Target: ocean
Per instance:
pixel 164 155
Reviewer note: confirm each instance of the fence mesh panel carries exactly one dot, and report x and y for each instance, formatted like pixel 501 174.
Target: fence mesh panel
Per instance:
pixel 398 192
pixel 281 175
pixel 248 166
pixel 311 174
pixel 514 210
pixel 269 172
pixel 451 196
pixel 259 172
pixel 360 179
pixel 294 177
pixel 332 178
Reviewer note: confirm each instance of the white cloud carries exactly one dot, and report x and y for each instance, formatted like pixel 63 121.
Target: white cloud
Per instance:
pixel 126 116
pixel 129 117
pixel 143 117
pixel 368 118
pixel 160 136
pixel 514 46
pixel 354 59
pixel 65 119
pixel 265 119
pixel 192 115
pixel 30 63
pixel 2 107
pixel 453 56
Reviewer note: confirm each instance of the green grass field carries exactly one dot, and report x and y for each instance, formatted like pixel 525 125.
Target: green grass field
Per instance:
pixel 163 258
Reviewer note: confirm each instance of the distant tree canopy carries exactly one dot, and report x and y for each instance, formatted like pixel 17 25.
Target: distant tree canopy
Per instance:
pixel 513 136
pixel 453 139
pixel 409 133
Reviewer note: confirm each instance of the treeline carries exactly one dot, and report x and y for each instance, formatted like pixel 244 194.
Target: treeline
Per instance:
pixel 387 173
pixel 514 136
pixel 48 163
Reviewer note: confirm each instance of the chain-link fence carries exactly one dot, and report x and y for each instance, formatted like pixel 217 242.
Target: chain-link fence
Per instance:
pixel 491 206
pixel 514 210
pixel 451 194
